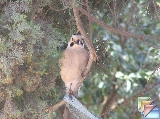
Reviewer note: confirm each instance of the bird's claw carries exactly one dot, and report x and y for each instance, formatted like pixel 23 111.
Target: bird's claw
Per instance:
pixel 70 92
pixel 82 75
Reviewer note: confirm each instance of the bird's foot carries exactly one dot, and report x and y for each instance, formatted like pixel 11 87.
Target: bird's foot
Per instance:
pixel 82 75
pixel 70 92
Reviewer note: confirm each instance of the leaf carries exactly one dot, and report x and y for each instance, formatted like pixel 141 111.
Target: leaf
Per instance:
pixel 119 74
pixel 158 2
pixel 2 46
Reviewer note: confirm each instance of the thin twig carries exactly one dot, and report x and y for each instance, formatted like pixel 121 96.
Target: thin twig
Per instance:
pixel 130 15
pixel 151 77
pixel 115 13
pixel 127 34
pixel 84 34
pixel 90 21
pixel 109 8
pixel 139 94
pixel 153 1
pixel 133 98
pixel 51 109
pixel 135 110
pixel 108 103
pixel 60 9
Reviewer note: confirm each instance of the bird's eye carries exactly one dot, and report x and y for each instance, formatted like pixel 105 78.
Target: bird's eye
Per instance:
pixel 82 40
pixel 71 44
pixel 72 39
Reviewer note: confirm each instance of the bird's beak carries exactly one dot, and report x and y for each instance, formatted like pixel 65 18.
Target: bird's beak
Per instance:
pixel 83 45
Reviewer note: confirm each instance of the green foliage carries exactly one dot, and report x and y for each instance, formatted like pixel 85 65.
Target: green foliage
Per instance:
pixel 10 111
pixel 29 61
pixel 131 64
pixel 32 40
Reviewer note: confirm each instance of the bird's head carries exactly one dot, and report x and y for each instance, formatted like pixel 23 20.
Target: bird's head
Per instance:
pixel 76 40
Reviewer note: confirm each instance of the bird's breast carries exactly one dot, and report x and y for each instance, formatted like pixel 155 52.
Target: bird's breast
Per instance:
pixel 73 63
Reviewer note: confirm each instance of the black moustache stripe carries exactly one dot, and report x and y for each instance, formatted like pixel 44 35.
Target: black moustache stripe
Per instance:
pixel 81 43
pixel 71 44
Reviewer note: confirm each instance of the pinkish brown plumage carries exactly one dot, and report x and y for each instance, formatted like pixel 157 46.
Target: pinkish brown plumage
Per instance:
pixel 73 62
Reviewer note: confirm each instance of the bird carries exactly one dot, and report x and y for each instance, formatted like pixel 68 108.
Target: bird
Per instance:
pixel 73 62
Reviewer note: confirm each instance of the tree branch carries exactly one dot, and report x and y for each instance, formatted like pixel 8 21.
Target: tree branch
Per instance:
pixel 90 21
pixel 108 103
pixel 118 31
pixel 84 34
pixel 92 56
pixel 154 3
pixel 138 95
pixel 51 109
pixel 133 98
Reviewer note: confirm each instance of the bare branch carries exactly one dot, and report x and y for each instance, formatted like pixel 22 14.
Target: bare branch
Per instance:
pixel 113 13
pixel 84 34
pixel 139 94
pixel 93 55
pixel 127 34
pixel 133 98
pixel 135 110
pixel 90 21
pixel 156 69
pixel 51 109
pixel 153 1
pixel 59 9
pixel 84 74
pixel 107 105
pixel 131 15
